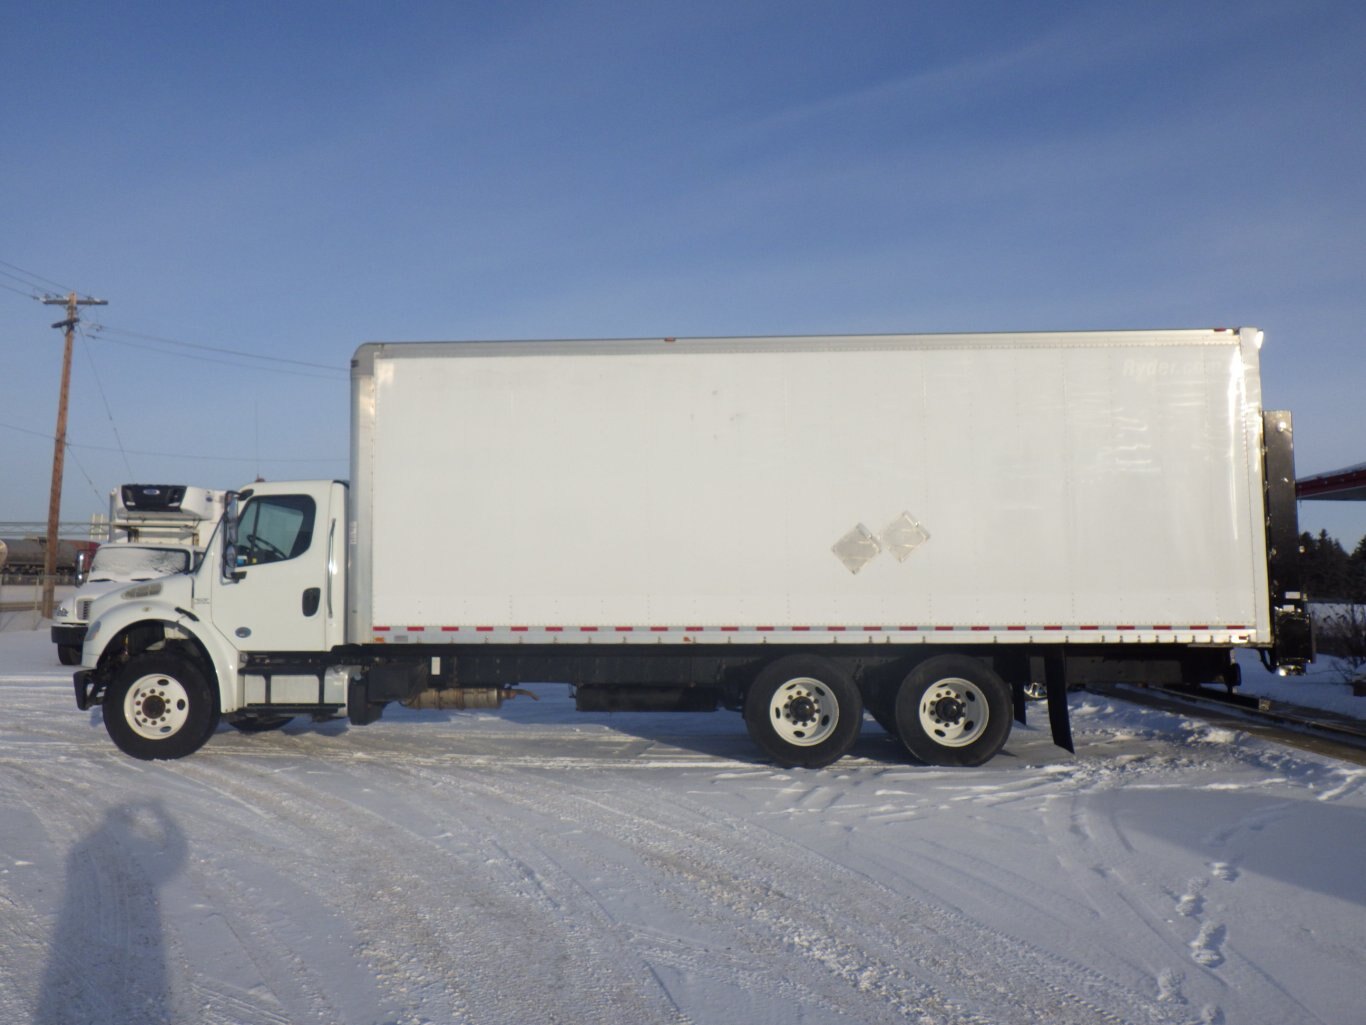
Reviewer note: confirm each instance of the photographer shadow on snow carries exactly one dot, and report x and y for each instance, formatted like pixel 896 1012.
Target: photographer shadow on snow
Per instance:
pixel 108 957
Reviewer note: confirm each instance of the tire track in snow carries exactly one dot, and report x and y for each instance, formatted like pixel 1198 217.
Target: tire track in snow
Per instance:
pixel 454 919
pixel 842 935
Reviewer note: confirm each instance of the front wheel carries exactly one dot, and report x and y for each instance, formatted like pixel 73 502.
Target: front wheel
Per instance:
pixel 160 706
pixel 803 711
pixel 953 710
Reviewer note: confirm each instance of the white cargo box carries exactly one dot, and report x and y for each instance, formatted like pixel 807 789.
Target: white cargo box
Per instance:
pixel 1089 487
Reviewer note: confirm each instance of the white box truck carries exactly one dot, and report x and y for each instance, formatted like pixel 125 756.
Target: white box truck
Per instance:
pixel 154 530
pixel 799 529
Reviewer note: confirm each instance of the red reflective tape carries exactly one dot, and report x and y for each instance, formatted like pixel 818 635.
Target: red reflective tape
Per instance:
pixel 588 629
pixel 519 629
pixel 729 629
pixel 450 629
pixel 659 629
pixel 484 629
pixel 1017 628
pixel 1088 628
pixel 943 629
pixel 554 629
pixel 416 629
pixel 381 629
pixel 872 629
pixel 981 628
pixel 1052 628
pixel 1166 627
pixel 764 629
pixel 801 629
pixel 1200 626
pixel 837 629
pixel 1129 626
pixel 623 629
pixel 910 628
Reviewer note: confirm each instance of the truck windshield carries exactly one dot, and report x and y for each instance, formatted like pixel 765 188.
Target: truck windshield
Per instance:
pixel 132 562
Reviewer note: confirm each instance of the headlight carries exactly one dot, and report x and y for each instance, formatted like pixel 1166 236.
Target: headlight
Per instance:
pixel 141 591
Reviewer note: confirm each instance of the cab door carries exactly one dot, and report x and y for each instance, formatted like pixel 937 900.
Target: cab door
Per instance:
pixel 281 594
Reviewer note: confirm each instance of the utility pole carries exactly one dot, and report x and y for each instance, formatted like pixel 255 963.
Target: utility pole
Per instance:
pixel 54 504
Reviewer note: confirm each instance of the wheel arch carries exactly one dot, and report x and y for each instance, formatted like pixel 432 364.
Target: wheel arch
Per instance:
pixel 152 633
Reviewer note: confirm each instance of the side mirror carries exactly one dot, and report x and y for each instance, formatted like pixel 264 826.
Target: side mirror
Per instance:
pixel 230 512
pixel 83 560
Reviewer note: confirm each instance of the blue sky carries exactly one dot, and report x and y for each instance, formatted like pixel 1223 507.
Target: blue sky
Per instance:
pixel 293 179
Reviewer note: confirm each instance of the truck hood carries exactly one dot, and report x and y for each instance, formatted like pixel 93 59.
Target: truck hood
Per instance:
pixel 175 591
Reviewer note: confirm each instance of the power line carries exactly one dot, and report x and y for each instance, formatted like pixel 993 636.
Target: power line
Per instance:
pixel 105 329
pixel 173 455
pixel 18 291
pixel 86 475
pixel 220 362
pixel 37 284
pixel 94 372
pixel 21 280
pixel 47 282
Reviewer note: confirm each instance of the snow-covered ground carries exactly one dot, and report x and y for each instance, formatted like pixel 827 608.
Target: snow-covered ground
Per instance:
pixel 536 864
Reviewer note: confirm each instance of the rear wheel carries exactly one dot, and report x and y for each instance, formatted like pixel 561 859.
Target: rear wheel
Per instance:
pixel 803 711
pixel 953 710
pixel 160 706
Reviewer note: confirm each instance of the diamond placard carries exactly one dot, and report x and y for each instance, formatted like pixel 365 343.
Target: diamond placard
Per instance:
pixel 903 536
pixel 857 548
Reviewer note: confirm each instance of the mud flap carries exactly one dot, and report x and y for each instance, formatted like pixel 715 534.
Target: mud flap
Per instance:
pixel 1018 700
pixel 1055 685
pixel 89 692
pixel 360 710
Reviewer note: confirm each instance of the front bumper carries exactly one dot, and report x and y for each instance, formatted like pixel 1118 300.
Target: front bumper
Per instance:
pixel 69 635
pixel 89 690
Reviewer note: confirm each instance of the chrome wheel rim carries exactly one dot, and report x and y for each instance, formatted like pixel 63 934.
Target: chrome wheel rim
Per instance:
pixel 954 712
pixel 156 706
pixel 804 712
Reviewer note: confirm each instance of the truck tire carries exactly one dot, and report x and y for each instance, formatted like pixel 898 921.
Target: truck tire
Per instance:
pixel 953 710
pixel 879 701
pixel 803 711
pixel 68 654
pixel 160 705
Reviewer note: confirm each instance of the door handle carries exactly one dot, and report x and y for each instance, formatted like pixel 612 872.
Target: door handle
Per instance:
pixel 311 599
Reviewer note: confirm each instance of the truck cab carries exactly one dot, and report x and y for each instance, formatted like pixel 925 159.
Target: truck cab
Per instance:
pixel 247 635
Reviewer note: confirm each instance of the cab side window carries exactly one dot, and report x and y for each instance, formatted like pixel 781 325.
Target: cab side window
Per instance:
pixel 274 528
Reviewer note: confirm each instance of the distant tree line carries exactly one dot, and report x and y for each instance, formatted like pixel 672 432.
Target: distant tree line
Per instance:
pixel 1330 574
